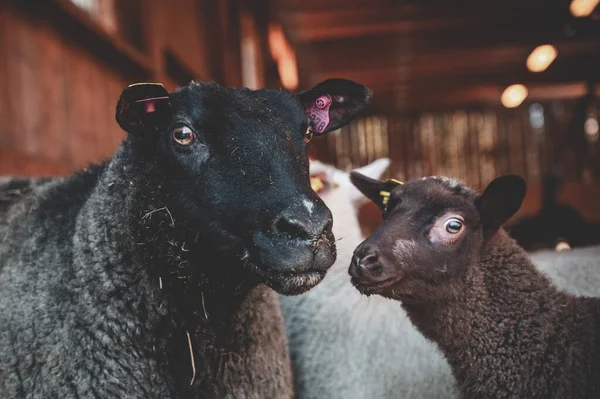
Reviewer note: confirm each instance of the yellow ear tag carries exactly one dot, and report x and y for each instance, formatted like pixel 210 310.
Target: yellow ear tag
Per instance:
pixel 316 184
pixel 385 195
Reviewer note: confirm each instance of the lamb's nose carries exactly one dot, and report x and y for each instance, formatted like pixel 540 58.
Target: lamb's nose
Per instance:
pixel 365 263
pixel 368 262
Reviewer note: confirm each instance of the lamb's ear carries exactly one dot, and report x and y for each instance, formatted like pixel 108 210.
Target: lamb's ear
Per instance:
pixel 501 199
pixel 373 170
pixel 376 190
pixel 333 103
pixel 143 108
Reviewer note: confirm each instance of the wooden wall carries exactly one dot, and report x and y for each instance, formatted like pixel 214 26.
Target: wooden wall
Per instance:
pixel 57 102
pixel 476 146
pixel 62 70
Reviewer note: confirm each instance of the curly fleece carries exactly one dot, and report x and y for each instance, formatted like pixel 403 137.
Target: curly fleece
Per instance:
pixel 84 310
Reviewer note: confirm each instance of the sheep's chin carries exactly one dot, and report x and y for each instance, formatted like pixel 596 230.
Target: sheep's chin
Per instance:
pixel 296 284
pixel 287 283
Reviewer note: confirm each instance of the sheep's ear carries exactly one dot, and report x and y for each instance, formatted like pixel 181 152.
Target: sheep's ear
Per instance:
pixel 143 108
pixel 376 190
pixel 333 103
pixel 501 199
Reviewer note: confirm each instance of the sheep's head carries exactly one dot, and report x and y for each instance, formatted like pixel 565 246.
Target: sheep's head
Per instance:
pixel 236 169
pixel 433 230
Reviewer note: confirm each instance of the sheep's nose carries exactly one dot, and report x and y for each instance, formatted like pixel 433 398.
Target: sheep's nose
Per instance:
pixel 365 263
pixel 307 221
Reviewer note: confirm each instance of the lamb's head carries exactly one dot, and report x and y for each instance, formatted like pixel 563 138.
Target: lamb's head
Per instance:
pixel 236 169
pixel 433 230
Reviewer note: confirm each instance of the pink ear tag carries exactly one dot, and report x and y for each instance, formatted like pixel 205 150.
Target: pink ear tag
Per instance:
pixel 318 112
pixel 150 103
pixel 149 107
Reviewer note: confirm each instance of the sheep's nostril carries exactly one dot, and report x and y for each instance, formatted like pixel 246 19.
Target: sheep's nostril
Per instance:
pixel 293 227
pixel 297 223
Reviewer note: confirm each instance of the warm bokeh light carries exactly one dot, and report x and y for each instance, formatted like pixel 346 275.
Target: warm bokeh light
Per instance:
pixel 583 8
pixel 562 246
pixel 514 95
pixel 591 129
pixel 541 58
pixel 284 55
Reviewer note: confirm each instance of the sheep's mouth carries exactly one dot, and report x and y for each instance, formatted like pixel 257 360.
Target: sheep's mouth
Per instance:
pixel 290 267
pixel 296 283
pixel 374 287
pixel 289 282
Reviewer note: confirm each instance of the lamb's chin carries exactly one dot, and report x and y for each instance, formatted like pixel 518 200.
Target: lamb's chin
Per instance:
pixel 384 288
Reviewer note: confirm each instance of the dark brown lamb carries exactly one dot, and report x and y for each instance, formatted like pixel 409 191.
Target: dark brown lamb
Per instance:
pixel 505 329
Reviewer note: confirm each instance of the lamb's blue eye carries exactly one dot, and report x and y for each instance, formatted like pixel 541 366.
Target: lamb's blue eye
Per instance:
pixel 453 226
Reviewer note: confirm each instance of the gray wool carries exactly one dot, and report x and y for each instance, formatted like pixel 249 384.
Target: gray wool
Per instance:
pixel 80 314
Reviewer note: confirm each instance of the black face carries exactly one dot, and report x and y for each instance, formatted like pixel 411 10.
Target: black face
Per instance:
pixel 433 229
pixel 235 161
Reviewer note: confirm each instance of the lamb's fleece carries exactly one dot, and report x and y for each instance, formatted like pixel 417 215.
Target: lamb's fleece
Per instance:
pixel 344 345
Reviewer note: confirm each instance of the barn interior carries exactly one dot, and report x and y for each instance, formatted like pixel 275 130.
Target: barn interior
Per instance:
pixel 470 89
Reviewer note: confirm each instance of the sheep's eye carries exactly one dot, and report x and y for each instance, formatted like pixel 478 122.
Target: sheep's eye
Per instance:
pixel 453 226
pixel 447 229
pixel 183 135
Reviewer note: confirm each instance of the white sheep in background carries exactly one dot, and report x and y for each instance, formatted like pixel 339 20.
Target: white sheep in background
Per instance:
pixel 576 271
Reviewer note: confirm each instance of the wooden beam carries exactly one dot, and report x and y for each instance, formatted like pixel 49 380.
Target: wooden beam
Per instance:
pixel 388 102
pixel 412 8
pixel 504 64
pixel 376 28
pixel 77 27
pixel 394 52
pixel 401 18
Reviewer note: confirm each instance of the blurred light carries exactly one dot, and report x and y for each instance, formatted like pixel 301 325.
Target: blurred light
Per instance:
pixel 562 246
pixel 583 8
pixel 513 96
pixel 591 130
pixel 87 5
pixel 284 55
pixel 541 58
pixel 536 116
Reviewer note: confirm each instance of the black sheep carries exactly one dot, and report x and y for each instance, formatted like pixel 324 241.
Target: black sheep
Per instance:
pixel 505 329
pixel 142 277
